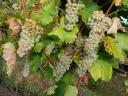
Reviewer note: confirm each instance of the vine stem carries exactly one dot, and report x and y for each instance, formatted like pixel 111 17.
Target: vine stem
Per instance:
pixel 110 7
pixel 24 9
pixel 79 84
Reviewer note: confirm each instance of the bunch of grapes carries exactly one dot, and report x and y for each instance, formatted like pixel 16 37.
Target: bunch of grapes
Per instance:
pixel 98 24
pixel 71 16
pixel 62 66
pixel 31 33
pixel 9 54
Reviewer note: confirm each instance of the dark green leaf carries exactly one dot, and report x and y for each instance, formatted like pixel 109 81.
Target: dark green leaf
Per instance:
pixel 90 6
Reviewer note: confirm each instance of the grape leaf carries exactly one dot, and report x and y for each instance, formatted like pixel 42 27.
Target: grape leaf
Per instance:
pixel 90 6
pixel 118 49
pixel 47 13
pixel 95 71
pixel 49 48
pixel 67 37
pixel 35 62
pixel 38 47
pixel 71 36
pixel 48 71
pixel 71 91
pixel 68 79
pixel 59 32
pixel 102 68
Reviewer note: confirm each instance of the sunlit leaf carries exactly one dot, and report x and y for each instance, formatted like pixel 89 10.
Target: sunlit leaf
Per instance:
pixel 118 45
pixel 71 91
pixel 102 68
pixel 38 47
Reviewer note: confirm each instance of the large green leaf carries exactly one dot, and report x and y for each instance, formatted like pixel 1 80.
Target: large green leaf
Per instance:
pixel 95 71
pixel 47 13
pixel 59 32
pixel 64 36
pixel 70 37
pixel 118 48
pixel 90 6
pixel 102 68
pixel 71 91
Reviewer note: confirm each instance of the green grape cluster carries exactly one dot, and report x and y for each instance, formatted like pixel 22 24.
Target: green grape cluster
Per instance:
pixel 62 66
pixel 80 41
pixel 71 16
pixel 31 33
pixel 99 24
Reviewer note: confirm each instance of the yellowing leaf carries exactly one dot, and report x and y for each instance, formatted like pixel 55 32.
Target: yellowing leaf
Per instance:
pixel 42 1
pixel 118 2
pixel 118 46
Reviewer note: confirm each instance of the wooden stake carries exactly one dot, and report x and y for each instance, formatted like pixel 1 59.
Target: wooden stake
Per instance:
pixel 110 7
pixel 24 9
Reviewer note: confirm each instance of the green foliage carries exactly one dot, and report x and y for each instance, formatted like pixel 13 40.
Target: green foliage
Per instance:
pixel 119 48
pixel 47 13
pixel 125 3
pixel 64 85
pixel 38 47
pixel 71 91
pixel 64 36
pixel 35 62
pixel 102 68
pixel 90 6
pixel 47 71
pixel 43 58
pixel 68 79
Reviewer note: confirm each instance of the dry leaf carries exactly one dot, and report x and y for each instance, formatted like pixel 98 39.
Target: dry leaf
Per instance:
pixel 14 25
pixel 9 54
pixel 118 2
pixel 115 26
